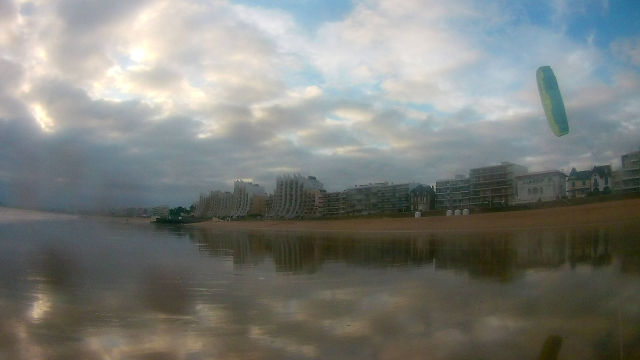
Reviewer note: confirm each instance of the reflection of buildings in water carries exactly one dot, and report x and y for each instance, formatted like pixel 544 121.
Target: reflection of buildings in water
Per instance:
pixel 535 249
pixel 480 254
pixel 244 248
pixel 589 246
pixel 629 251
pixel 498 255
pixel 295 254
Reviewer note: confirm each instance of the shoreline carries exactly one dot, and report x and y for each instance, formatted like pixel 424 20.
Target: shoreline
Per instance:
pixel 614 212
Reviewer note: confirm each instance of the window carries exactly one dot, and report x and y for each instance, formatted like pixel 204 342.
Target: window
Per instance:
pixel 573 184
pixel 541 191
pixel 584 182
pixel 606 180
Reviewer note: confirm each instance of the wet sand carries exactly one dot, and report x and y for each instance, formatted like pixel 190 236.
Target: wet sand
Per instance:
pixel 624 211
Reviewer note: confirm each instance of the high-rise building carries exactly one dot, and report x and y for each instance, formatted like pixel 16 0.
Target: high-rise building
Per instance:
pixel 452 193
pixel 378 198
pixel 297 196
pixel 334 203
pixel 246 199
pixel 627 179
pixel 245 194
pixel 493 185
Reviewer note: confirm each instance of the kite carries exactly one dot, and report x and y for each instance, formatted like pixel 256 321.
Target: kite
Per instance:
pixel 552 101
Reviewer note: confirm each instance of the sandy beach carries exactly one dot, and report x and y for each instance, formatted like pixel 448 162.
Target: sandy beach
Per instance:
pixel 625 211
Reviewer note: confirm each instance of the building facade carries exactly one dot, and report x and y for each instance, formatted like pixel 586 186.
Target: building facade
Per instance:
pixel 578 183
pixel 334 203
pixel 494 185
pixel 541 186
pixel 422 198
pixel 601 180
pixel 297 196
pixel 244 196
pixel 377 198
pixel 160 211
pixel 452 193
pixel 627 179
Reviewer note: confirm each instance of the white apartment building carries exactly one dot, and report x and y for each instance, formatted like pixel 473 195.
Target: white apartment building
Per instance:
pixel 492 185
pixel 540 186
pixel 226 204
pixel 628 178
pixel 452 193
pixel 297 196
pixel 244 194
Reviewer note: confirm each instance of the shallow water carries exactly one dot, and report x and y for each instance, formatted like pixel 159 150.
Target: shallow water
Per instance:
pixel 77 289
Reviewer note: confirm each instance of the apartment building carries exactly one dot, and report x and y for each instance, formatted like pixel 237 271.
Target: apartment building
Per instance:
pixel 493 185
pixel 246 199
pixel 160 211
pixel 452 193
pixel 245 193
pixel 627 179
pixel 378 198
pixel 334 203
pixel 222 205
pixel 540 186
pixel 297 196
pixel 202 205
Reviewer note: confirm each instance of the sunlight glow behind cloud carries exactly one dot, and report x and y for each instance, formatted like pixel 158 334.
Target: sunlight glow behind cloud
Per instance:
pixel 225 90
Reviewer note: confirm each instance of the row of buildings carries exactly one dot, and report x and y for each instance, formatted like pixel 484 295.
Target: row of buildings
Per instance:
pixel 496 185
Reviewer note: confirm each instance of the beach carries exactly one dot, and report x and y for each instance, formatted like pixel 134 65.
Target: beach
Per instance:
pixel 624 211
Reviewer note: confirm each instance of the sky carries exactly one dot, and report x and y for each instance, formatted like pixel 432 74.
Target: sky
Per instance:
pixel 148 102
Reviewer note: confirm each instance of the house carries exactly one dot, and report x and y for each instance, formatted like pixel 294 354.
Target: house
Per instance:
pixel 601 179
pixel 578 183
pixel 540 186
pixel 422 198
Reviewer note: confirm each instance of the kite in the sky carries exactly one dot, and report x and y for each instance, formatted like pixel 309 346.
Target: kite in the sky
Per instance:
pixel 552 101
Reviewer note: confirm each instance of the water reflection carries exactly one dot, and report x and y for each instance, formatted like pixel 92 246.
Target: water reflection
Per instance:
pixel 496 255
pixel 91 291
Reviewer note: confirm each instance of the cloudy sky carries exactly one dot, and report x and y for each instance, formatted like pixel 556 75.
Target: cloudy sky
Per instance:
pixel 146 102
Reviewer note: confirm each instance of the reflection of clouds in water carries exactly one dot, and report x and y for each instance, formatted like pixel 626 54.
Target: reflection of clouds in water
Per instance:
pixel 8 215
pixel 41 305
pixel 349 307
pixel 211 315
pixel 289 345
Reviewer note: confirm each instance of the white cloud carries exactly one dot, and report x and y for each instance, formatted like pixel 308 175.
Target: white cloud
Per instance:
pixel 627 49
pixel 398 91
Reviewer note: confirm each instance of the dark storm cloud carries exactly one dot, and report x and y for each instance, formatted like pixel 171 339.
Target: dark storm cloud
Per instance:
pixel 11 77
pixel 71 107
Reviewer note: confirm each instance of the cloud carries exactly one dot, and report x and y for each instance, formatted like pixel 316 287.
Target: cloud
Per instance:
pixel 627 49
pixel 170 99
